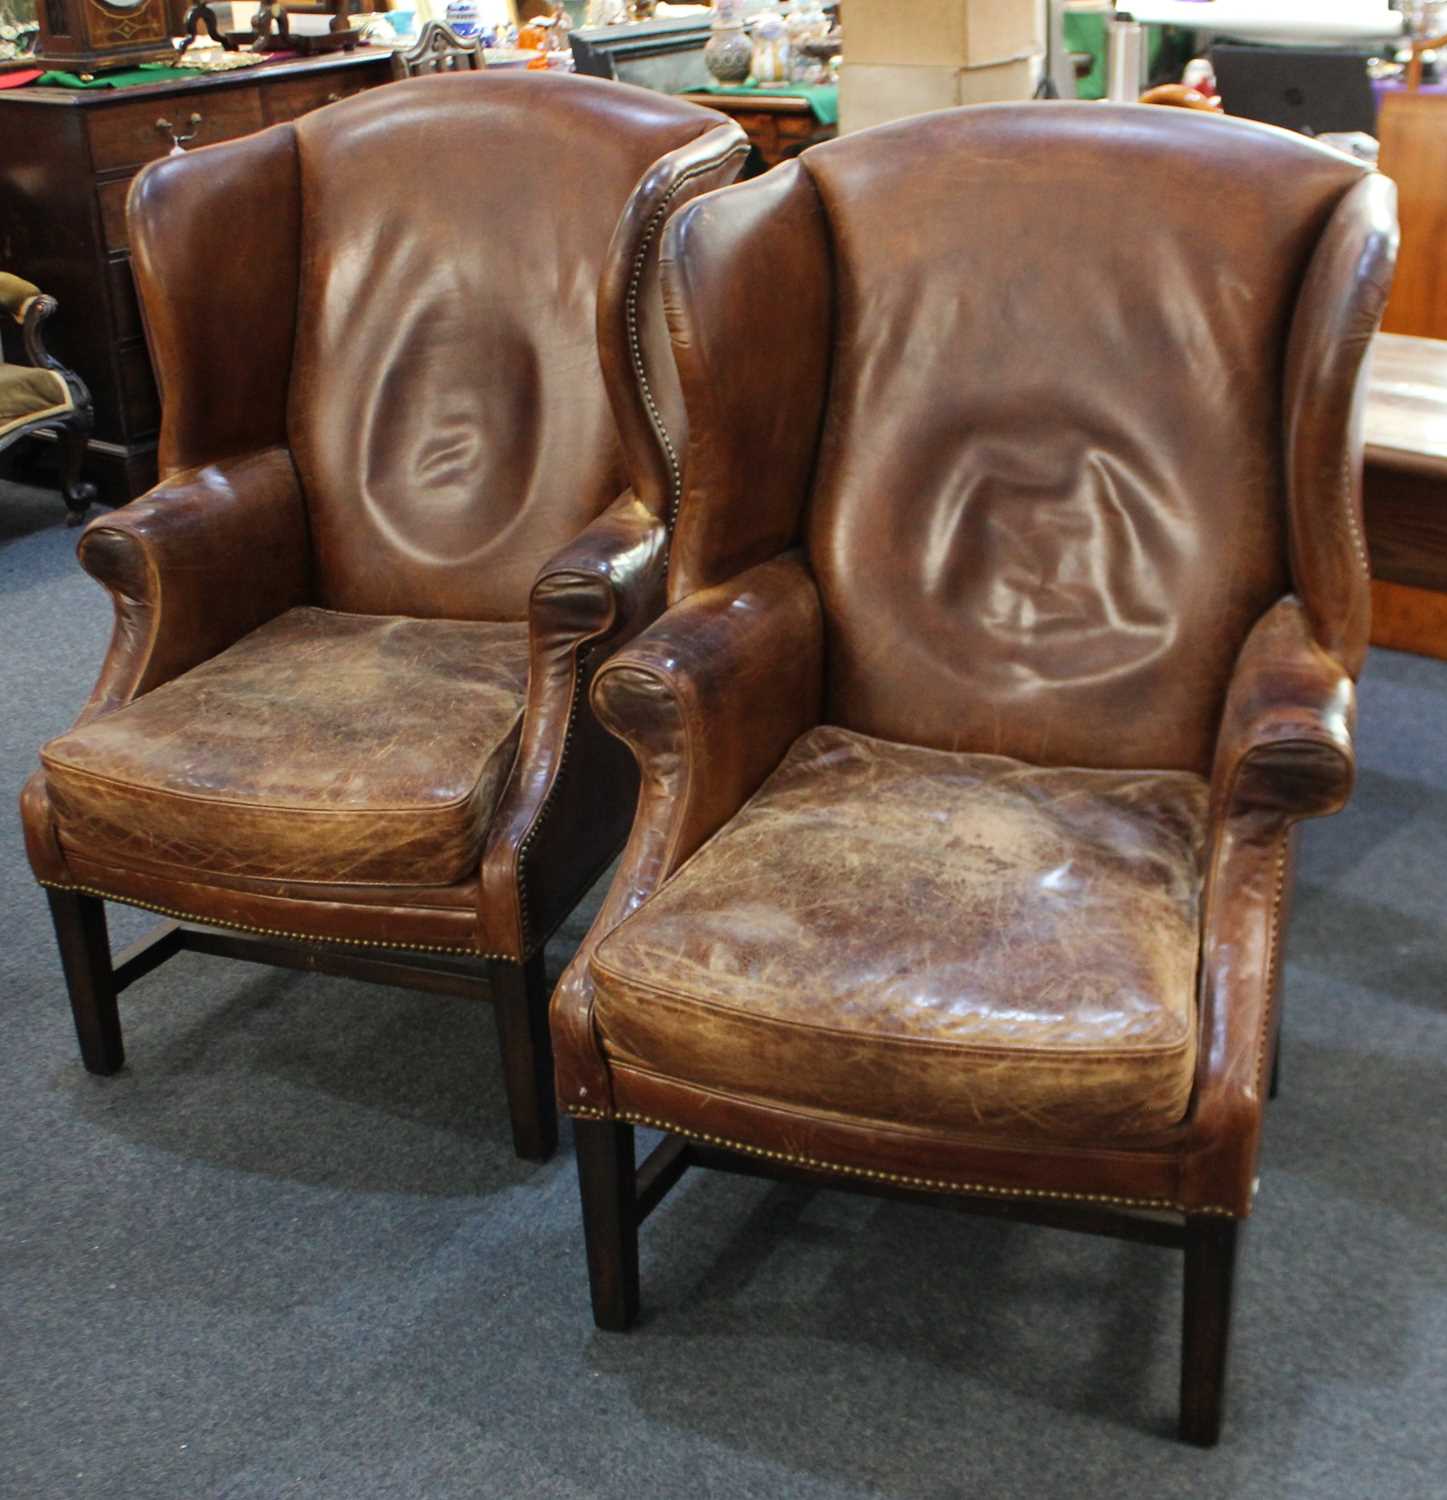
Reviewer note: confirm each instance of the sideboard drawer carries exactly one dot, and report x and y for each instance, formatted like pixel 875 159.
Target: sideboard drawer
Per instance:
pixel 112 197
pixel 294 97
pixel 129 135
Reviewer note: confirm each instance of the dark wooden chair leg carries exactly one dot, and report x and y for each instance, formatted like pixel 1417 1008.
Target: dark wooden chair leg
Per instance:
pixel 1210 1271
pixel 85 954
pixel 608 1181
pixel 520 1007
pixel 78 493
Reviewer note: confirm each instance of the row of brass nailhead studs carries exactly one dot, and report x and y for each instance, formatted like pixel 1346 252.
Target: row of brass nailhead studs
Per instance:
pixel 303 937
pixel 675 486
pixel 924 1184
pixel 1274 954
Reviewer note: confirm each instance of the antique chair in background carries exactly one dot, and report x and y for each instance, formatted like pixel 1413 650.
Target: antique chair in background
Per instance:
pixel 974 733
pixel 438 49
pixel 343 708
pixel 44 396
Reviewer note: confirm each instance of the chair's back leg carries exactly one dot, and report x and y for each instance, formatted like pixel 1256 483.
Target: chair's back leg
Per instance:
pixel 520 1008
pixel 607 1178
pixel 85 954
pixel 1210 1272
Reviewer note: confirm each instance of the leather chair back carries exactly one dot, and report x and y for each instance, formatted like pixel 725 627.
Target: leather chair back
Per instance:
pixel 425 298
pixel 1039 363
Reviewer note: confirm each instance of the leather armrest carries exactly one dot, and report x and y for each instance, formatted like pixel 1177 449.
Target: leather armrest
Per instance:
pixel 194 565
pixel 1285 744
pixel 593 595
pixel 708 699
pixel 1284 753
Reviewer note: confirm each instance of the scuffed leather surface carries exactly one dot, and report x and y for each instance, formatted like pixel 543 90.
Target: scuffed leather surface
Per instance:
pixel 1336 319
pixel 1074 512
pixel 1285 753
pixel 368 916
pixel 564 812
pixel 958 941
pixel 1155 395
pixel 708 699
pixel 447 408
pixel 633 340
pixel 450 375
pixel 746 286
pixel 192 566
pixel 214 238
pixel 323 746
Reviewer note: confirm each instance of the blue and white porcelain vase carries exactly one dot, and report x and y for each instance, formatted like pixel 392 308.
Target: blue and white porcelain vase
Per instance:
pixel 461 16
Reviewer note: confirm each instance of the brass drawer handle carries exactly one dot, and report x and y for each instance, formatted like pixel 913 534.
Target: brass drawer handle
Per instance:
pixel 178 142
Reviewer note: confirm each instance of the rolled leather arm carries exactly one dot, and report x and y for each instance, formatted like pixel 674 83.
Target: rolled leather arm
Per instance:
pixel 709 700
pixel 1284 753
pixel 1285 744
pixel 194 565
pixel 564 790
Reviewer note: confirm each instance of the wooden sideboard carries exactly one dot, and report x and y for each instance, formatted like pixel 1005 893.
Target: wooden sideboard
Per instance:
pixel 66 163
pixel 778 127
pixel 1405 493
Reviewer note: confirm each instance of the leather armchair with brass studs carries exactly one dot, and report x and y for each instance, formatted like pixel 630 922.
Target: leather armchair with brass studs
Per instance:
pixel 1015 603
pixel 343 723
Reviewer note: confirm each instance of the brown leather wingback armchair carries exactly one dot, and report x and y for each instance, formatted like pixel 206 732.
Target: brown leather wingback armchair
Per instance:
pixel 1015 603
pixel 342 723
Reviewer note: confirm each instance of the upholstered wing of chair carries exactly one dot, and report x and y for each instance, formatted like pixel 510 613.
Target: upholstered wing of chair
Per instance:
pixel 1015 604
pixel 342 724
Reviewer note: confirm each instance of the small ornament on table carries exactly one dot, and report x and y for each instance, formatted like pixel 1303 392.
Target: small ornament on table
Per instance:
pixel 728 54
pixel 770 63
pixel 807 24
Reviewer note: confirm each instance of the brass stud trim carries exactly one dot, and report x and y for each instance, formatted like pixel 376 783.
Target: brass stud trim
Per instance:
pixel 635 341
pixel 301 937
pixel 899 1179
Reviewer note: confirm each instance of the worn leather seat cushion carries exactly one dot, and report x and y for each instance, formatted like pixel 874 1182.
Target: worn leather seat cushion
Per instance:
pixel 921 937
pixel 338 748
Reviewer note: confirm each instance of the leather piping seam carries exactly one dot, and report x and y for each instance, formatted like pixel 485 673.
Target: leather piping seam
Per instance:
pixel 706 1006
pixel 302 937
pixel 899 1179
pixel 635 343
pixel 269 809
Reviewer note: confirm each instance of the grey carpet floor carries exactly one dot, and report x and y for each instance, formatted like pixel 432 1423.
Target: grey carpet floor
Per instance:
pixel 288 1252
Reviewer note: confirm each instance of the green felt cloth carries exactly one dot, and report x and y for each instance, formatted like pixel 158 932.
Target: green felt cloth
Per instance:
pixel 823 97
pixel 122 78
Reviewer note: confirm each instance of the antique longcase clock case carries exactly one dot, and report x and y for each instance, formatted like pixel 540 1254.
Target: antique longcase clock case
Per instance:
pixel 84 36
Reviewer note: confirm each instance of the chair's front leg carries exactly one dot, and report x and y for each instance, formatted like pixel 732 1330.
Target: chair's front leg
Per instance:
pixel 1210 1272
pixel 78 493
pixel 85 954
pixel 520 1008
pixel 607 1179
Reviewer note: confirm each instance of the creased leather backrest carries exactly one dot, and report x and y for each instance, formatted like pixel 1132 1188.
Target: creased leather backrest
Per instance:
pixel 1050 502
pixel 447 410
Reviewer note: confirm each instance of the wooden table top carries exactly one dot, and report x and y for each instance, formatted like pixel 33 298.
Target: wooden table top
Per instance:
pixel 1406 416
pixel 289 67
